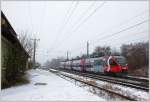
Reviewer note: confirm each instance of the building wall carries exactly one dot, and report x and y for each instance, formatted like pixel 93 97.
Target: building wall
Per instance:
pixel 6 48
pixel 14 61
pixel 13 56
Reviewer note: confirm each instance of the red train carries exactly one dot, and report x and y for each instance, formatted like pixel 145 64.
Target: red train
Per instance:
pixel 105 64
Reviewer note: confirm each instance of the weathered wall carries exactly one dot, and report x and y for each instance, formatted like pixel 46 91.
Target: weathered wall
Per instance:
pixel 13 56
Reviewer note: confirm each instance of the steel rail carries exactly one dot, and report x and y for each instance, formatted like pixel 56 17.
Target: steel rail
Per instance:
pixel 98 87
pixel 113 80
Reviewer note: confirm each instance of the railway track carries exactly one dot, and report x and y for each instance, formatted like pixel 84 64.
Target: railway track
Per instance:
pixel 129 77
pixel 98 87
pixel 139 78
pixel 138 84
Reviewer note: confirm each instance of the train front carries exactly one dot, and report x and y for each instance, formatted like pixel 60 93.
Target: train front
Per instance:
pixel 122 63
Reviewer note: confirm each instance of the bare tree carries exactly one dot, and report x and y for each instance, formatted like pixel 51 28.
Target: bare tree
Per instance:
pixel 54 63
pixel 137 57
pixel 102 50
pixel 25 40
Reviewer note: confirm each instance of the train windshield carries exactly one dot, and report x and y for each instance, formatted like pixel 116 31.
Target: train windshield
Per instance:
pixel 121 61
pixel 97 62
pixel 112 62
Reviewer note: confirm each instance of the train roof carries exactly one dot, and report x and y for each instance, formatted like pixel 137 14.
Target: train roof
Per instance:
pixel 95 58
pixel 118 56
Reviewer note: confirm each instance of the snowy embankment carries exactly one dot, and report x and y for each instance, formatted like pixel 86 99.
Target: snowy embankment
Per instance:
pixel 46 86
pixel 127 91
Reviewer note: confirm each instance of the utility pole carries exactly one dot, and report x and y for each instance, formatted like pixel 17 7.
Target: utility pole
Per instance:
pixel 67 55
pixel 87 49
pixel 34 50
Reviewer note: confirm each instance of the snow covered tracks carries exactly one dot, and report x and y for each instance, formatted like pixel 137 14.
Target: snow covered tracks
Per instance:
pixel 138 84
pixel 138 78
pixel 93 84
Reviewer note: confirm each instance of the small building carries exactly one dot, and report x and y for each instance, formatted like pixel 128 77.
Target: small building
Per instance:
pixel 14 57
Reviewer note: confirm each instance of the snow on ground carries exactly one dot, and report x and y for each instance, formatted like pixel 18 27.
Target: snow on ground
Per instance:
pixel 132 92
pixel 56 89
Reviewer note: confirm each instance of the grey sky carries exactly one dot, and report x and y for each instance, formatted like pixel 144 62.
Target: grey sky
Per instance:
pixel 48 21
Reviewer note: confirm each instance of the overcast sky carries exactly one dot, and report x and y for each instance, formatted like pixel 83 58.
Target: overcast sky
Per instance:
pixel 65 26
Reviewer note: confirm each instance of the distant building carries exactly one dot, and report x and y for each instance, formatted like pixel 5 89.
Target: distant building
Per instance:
pixel 14 58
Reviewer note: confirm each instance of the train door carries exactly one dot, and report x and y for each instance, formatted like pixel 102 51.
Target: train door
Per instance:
pixel 88 65
pixel 92 66
pixel 98 65
pixel 101 66
pixel 82 65
pixel 75 65
pixel 71 65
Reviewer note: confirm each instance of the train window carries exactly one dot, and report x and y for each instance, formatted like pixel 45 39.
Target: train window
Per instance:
pixel 112 62
pixel 121 60
pixel 77 65
pixel 97 62
pixel 104 63
pixel 88 65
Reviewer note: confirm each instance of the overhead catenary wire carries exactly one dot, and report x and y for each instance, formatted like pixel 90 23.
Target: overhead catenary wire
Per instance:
pixel 137 35
pixel 122 23
pixel 71 14
pixel 117 38
pixel 133 40
pixel 89 16
pixel 134 34
pixel 133 26
pixel 83 14
pixel 67 20
pixel 108 36
pixel 128 41
pixel 120 32
pixel 85 20
pixel 43 14
pixel 29 11
pixel 70 34
pixel 113 34
pixel 62 24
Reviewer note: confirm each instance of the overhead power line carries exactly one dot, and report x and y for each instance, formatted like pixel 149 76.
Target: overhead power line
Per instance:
pixel 123 29
pixel 122 23
pixel 90 15
pixel 105 37
pixel 71 14
pixel 118 25
pixel 135 34
pixel 70 34
pixel 133 40
pixel 67 20
pixel 43 14
pixel 83 14
pixel 62 25
pixel 133 26
pixel 116 38
pixel 124 41
pixel 29 11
